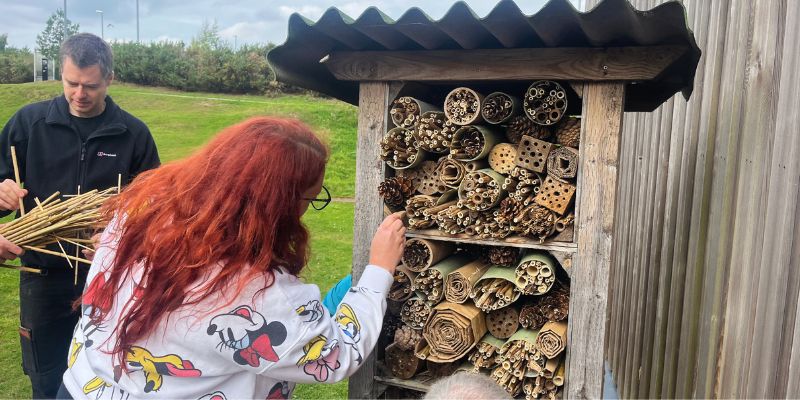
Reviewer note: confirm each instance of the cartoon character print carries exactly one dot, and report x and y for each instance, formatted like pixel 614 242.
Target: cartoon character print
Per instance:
pixel 74 349
pixel 320 358
pixel 89 302
pixel 313 310
pixel 214 396
pixel 349 324
pixel 156 367
pixel 280 391
pixel 248 333
pixel 99 386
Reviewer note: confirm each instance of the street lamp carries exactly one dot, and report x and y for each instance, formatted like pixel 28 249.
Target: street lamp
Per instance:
pixel 102 31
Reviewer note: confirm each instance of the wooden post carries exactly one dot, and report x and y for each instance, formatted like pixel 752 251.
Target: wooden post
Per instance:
pixel 374 98
pixel 603 105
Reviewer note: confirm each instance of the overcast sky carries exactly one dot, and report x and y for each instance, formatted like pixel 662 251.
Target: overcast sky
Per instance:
pixel 250 21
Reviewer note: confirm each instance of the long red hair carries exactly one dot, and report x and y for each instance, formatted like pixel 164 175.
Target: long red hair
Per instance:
pixel 235 202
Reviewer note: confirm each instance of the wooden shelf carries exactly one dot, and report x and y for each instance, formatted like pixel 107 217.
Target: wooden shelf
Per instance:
pixel 514 241
pixel 420 383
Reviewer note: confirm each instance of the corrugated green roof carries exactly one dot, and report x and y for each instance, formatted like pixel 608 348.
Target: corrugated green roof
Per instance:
pixel 613 23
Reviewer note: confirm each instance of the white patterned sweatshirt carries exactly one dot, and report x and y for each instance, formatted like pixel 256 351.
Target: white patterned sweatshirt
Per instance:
pixel 256 346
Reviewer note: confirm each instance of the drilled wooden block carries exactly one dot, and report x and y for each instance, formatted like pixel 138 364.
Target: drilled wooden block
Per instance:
pixel 502 158
pixel 563 163
pixel 532 153
pixel 555 195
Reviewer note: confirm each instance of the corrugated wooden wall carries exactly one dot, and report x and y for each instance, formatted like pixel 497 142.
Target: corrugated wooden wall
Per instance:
pixel 703 295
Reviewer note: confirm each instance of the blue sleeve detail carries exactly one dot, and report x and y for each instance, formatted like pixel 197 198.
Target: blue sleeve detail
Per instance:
pixel 336 294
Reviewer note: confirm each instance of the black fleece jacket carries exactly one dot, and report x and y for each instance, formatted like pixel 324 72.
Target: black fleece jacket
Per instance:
pixel 52 157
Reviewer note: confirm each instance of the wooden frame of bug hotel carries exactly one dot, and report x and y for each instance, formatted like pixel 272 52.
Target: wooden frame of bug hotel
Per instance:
pixel 506 162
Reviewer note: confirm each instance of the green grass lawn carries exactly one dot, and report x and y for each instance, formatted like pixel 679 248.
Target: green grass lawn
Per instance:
pixel 181 122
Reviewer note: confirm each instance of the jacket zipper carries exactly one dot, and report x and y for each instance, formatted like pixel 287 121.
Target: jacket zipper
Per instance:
pixel 82 167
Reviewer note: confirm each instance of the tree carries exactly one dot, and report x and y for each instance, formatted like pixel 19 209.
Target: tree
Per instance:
pixel 208 38
pixel 3 41
pixel 49 40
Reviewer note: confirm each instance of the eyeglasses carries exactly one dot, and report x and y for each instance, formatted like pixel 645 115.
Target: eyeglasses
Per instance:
pixel 320 203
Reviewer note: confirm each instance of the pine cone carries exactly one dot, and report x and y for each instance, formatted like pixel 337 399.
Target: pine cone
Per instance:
pixel 395 191
pixel 531 316
pixel 406 338
pixel 522 125
pixel 568 132
pixel 506 256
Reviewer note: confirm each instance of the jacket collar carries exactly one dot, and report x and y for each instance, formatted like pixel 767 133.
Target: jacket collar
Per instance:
pixel 58 114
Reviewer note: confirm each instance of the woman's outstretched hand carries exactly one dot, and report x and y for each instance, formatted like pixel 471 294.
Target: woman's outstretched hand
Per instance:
pixel 388 242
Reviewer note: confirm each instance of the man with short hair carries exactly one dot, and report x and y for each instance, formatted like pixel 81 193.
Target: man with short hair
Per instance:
pixel 77 141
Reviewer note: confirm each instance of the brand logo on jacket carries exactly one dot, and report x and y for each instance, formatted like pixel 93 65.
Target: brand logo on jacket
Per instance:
pixel 102 154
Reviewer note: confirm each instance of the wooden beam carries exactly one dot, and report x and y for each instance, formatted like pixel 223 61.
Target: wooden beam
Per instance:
pixel 603 105
pixel 568 63
pixel 374 98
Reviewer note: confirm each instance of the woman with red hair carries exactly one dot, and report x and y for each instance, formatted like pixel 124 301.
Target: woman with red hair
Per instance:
pixel 193 292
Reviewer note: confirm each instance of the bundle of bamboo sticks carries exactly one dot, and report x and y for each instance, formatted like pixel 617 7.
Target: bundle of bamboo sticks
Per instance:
pixel 434 132
pixel 545 102
pixel 463 106
pixel 493 293
pixel 415 312
pixel 57 221
pixel 486 354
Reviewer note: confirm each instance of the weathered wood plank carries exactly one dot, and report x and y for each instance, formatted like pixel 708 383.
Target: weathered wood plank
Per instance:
pixel 586 64
pixel 652 249
pixel 634 246
pixel 721 213
pixel 768 221
pixel 374 98
pixel 696 177
pixel 603 105
pixel 785 251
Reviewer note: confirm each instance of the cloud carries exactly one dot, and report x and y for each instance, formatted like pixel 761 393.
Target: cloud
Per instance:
pixel 249 20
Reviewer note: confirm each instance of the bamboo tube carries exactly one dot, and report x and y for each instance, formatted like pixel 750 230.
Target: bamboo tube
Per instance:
pixel 405 111
pixel 429 283
pixel 420 254
pixel 473 142
pixel 399 150
pixel 536 273
pixel 414 210
pixel 545 102
pixel 415 312
pixel 495 289
pixel 452 330
pixel 462 106
pixel 499 107
pixel 487 353
pixel 402 285
pixel 16 177
pixel 481 190
pixel 434 132
pixel 22 268
pixel 558 379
